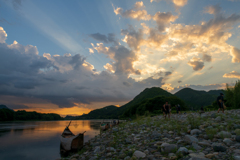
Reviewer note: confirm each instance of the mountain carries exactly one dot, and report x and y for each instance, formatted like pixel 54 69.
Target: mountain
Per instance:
pixel 107 112
pixel 4 107
pixel 196 99
pixel 112 112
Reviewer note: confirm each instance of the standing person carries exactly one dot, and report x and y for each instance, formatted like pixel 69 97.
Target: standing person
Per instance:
pixel 179 109
pixel 167 109
pixel 163 110
pixel 176 108
pixel 220 102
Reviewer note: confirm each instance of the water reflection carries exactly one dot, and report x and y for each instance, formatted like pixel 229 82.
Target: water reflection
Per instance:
pixel 39 140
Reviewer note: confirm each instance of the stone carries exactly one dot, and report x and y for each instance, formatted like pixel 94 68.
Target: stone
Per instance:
pixel 224 134
pixel 204 144
pixel 151 157
pixel 97 149
pixel 236 157
pixel 172 156
pixel 196 146
pixel 183 150
pixel 227 141
pixel 109 154
pixel 217 147
pixel 139 154
pixel 110 149
pixel 218 119
pixel 237 138
pixel 209 156
pixel 168 148
pixel 195 131
pixel 197 155
pixel 127 158
pixel 190 139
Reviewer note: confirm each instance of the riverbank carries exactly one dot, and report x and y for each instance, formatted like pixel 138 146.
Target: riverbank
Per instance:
pixel 188 136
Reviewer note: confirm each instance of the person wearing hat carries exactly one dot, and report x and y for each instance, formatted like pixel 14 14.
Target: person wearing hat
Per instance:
pixel 220 102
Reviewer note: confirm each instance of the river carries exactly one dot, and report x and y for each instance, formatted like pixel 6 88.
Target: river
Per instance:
pixel 39 140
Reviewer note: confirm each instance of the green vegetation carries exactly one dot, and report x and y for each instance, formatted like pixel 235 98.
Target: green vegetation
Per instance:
pixel 113 112
pixel 153 105
pixel 232 95
pixel 9 115
pixel 196 99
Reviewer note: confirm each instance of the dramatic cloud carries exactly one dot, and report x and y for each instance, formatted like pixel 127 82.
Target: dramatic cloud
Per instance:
pixel 162 19
pixel 69 80
pixel 133 38
pixel 196 63
pixel 232 74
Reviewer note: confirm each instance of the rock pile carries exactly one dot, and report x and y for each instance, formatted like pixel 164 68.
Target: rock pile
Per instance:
pixel 186 137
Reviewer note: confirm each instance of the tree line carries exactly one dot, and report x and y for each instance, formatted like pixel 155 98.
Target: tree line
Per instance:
pixel 22 115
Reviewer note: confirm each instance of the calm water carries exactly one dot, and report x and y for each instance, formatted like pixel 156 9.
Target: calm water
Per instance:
pixel 39 140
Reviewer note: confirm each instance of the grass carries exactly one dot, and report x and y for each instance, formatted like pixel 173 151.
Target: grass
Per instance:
pixel 194 122
pixel 211 132
pixel 237 131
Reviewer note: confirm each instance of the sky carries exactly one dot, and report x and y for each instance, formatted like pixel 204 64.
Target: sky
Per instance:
pixel 70 57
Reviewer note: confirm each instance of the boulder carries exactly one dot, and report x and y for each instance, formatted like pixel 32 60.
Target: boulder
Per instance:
pixel 227 141
pixel 237 138
pixel 195 131
pixel 168 148
pixel 196 146
pixel 217 147
pixel 139 154
pixel 190 139
pixel 218 119
pixel 183 150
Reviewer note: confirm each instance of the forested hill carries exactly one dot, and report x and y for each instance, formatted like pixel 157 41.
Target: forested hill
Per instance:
pixel 198 98
pixel 111 112
pixel 7 114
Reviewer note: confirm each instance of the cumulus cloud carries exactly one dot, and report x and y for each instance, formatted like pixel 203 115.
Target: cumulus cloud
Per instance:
pixel 177 3
pixel 3 35
pixel 196 63
pixel 133 38
pixel 235 53
pixel 68 80
pixel 134 13
pixel 232 74
pixel 163 18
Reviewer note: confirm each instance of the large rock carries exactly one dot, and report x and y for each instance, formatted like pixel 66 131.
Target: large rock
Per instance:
pixel 224 134
pixel 218 119
pixel 227 141
pixel 237 138
pixel 183 150
pixel 190 139
pixel 139 154
pixel 236 157
pixel 195 131
pixel 197 155
pixel 217 147
pixel 196 146
pixel 168 148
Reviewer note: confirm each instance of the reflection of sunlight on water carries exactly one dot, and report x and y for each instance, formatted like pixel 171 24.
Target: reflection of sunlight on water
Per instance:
pixel 24 137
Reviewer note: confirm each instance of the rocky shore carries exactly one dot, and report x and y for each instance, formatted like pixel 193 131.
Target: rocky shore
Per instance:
pixel 188 136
